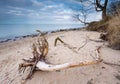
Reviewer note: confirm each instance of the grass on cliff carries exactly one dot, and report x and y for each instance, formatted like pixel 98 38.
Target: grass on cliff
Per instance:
pixel 112 27
pixel 113 32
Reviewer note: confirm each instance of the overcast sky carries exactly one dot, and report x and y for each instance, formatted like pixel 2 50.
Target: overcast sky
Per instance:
pixel 41 11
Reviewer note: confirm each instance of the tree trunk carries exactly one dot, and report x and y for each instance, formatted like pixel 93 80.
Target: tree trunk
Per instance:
pixel 104 14
pixel 102 8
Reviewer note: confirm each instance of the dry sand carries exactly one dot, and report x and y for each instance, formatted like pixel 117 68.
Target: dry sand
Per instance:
pixel 12 52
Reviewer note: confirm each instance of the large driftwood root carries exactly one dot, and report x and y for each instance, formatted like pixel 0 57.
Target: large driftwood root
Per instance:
pixel 40 51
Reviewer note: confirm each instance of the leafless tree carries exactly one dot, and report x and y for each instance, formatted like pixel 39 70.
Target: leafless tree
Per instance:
pixel 81 16
pixel 82 13
pixel 100 5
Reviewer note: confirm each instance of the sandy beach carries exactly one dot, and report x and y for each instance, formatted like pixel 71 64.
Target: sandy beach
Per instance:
pixel 12 53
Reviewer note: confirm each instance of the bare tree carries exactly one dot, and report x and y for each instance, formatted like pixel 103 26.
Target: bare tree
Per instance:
pixel 100 5
pixel 81 16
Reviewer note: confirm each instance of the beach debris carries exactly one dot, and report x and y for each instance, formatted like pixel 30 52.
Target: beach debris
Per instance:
pixel 58 39
pixel 67 45
pixel 89 39
pixel 95 40
pixel 40 51
pixel 118 77
pixel 111 64
pixel 86 41
pixel 104 36
pixel 90 81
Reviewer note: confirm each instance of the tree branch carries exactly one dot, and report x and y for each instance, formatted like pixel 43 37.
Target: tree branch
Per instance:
pixel 78 19
pixel 106 2
pixel 98 5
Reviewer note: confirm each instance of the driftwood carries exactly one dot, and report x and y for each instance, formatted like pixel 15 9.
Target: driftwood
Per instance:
pixel 49 67
pixel 95 40
pixel 67 45
pixel 40 51
pixel 108 63
pixel 89 39
pixel 84 43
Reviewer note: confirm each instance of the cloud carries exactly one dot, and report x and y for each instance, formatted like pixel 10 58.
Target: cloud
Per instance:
pixel 47 11
pixel 50 13
pixel 20 9
pixel 63 18
pixel 95 16
pixel 36 3
pixel 64 11
pixel 49 7
pixel 15 12
pixel 53 6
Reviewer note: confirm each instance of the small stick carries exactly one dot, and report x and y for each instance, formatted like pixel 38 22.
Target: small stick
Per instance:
pixel 83 45
pixel 58 39
pixel 111 63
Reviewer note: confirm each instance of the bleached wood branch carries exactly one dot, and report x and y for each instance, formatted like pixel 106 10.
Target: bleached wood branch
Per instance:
pixel 49 67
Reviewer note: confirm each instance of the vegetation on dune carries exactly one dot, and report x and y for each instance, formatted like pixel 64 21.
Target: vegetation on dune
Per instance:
pixel 97 26
pixel 111 28
pixel 113 33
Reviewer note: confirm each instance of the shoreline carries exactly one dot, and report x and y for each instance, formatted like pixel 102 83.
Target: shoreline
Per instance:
pixel 34 35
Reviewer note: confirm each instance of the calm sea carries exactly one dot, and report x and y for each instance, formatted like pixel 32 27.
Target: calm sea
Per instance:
pixel 10 31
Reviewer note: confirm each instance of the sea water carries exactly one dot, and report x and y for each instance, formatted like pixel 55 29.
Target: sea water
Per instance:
pixel 10 31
